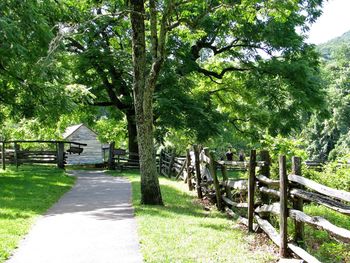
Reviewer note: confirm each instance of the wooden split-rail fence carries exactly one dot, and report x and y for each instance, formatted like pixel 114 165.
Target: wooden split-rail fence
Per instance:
pixel 318 166
pixel 253 200
pixel 54 152
pixel 120 159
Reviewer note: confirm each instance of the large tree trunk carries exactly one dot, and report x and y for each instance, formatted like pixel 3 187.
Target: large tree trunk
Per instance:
pixel 150 190
pixel 132 136
pixel 143 95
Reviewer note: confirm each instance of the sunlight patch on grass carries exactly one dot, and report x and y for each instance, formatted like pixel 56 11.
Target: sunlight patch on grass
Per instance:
pixel 181 231
pixel 25 194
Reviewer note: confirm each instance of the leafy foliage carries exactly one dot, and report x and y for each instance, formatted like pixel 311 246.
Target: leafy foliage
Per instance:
pixel 334 174
pixel 328 132
pixel 262 77
pixel 268 76
pixel 29 83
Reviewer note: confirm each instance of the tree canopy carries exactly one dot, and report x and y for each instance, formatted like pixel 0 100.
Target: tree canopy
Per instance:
pixel 29 83
pixel 169 68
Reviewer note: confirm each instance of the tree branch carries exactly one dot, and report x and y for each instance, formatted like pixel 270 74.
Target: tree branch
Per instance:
pixel 76 44
pixel 238 129
pixel 105 103
pixel 159 57
pixel 109 88
pixel 220 75
pixel 218 90
pixel 153 28
pixel 116 76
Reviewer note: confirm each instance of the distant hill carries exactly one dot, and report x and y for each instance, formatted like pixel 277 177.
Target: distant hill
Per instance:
pixel 326 48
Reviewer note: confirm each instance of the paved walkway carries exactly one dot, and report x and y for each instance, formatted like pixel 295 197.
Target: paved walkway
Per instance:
pixel 93 223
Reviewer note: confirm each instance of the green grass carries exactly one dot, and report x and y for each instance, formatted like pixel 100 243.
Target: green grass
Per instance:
pixel 181 231
pixel 234 174
pixel 318 242
pixel 25 194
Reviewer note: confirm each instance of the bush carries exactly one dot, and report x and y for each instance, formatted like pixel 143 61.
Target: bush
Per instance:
pixel 283 146
pixel 332 175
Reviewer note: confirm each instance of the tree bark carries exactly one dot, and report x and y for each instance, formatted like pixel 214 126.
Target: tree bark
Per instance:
pixel 143 95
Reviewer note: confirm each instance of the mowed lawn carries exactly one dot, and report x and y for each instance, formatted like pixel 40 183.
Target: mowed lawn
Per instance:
pixel 24 194
pixel 182 231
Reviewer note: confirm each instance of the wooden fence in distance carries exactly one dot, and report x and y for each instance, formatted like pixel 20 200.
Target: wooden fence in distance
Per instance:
pixel 120 159
pixel 55 154
pixel 318 166
pixel 170 164
pixel 252 201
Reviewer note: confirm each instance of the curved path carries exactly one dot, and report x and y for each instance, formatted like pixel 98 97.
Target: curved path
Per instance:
pixel 92 223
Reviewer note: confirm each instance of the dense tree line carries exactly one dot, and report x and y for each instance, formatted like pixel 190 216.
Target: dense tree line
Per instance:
pixel 328 131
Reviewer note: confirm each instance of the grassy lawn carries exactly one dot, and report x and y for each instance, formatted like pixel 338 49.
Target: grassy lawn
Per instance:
pixel 182 231
pixel 25 194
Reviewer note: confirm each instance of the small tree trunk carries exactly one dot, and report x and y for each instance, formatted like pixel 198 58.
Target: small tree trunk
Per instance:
pixel 111 161
pixel 60 155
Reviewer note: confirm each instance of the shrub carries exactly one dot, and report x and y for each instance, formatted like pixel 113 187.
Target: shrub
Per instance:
pixel 332 175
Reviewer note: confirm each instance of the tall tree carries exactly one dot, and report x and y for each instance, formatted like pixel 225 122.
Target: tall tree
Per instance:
pixel 99 45
pixel 144 84
pixel 216 38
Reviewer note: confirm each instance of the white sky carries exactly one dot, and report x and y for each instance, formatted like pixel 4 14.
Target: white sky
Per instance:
pixel 334 21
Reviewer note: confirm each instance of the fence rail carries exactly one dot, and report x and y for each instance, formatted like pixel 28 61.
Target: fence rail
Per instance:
pixel 252 201
pixel 11 152
pixel 120 159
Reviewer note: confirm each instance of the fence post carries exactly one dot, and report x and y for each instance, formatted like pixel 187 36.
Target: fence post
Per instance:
pixel 251 189
pixel 189 173
pixel 60 155
pixel 171 163
pixel 283 205
pixel 297 203
pixel 111 161
pixel 212 169
pixel 3 156
pixel 16 148
pixel 225 180
pixel 198 171
pixel 160 161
